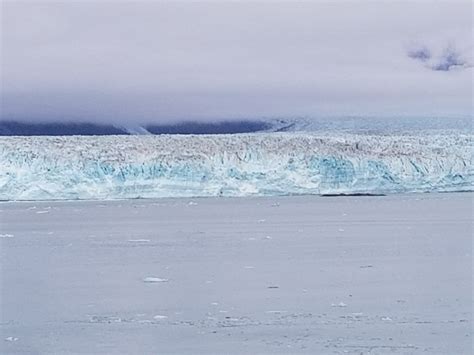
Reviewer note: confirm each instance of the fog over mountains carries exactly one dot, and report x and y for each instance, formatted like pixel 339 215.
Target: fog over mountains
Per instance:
pixel 16 128
pixel 342 124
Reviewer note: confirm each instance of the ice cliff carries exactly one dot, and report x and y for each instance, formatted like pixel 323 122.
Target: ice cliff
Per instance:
pixel 110 167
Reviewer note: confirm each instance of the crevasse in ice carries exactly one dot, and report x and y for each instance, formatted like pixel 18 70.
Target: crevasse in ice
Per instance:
pixel 109 167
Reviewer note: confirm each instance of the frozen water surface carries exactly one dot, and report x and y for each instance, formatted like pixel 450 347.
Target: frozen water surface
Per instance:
pixel 398 280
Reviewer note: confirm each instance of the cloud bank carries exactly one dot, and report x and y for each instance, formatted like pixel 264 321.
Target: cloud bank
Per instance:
pixel 145 61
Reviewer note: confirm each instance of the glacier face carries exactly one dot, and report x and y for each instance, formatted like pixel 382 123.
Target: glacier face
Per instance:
pixel 109 167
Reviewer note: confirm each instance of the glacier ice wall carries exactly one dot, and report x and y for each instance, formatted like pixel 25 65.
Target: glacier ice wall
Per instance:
pixel 109 167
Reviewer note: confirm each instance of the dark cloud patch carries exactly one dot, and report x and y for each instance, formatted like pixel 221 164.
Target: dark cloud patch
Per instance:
pixel 421 53
pixel 450 59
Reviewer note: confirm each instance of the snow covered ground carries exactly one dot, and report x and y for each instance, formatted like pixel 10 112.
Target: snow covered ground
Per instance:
pixel 319 275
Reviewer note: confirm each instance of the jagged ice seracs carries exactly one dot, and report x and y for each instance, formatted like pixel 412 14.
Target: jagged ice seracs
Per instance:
pixel 263 164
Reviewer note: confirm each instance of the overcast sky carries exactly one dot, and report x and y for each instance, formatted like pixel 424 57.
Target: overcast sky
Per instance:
pixel 152 61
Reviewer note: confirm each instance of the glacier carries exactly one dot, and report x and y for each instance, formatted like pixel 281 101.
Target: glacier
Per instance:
pixel 116 167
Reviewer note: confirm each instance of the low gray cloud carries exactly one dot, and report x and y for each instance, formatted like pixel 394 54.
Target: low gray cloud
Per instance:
pixel 155 61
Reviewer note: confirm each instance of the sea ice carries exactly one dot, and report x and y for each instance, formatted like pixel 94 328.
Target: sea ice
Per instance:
pixel 152 279
pixel 11 339
pixel 159 317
